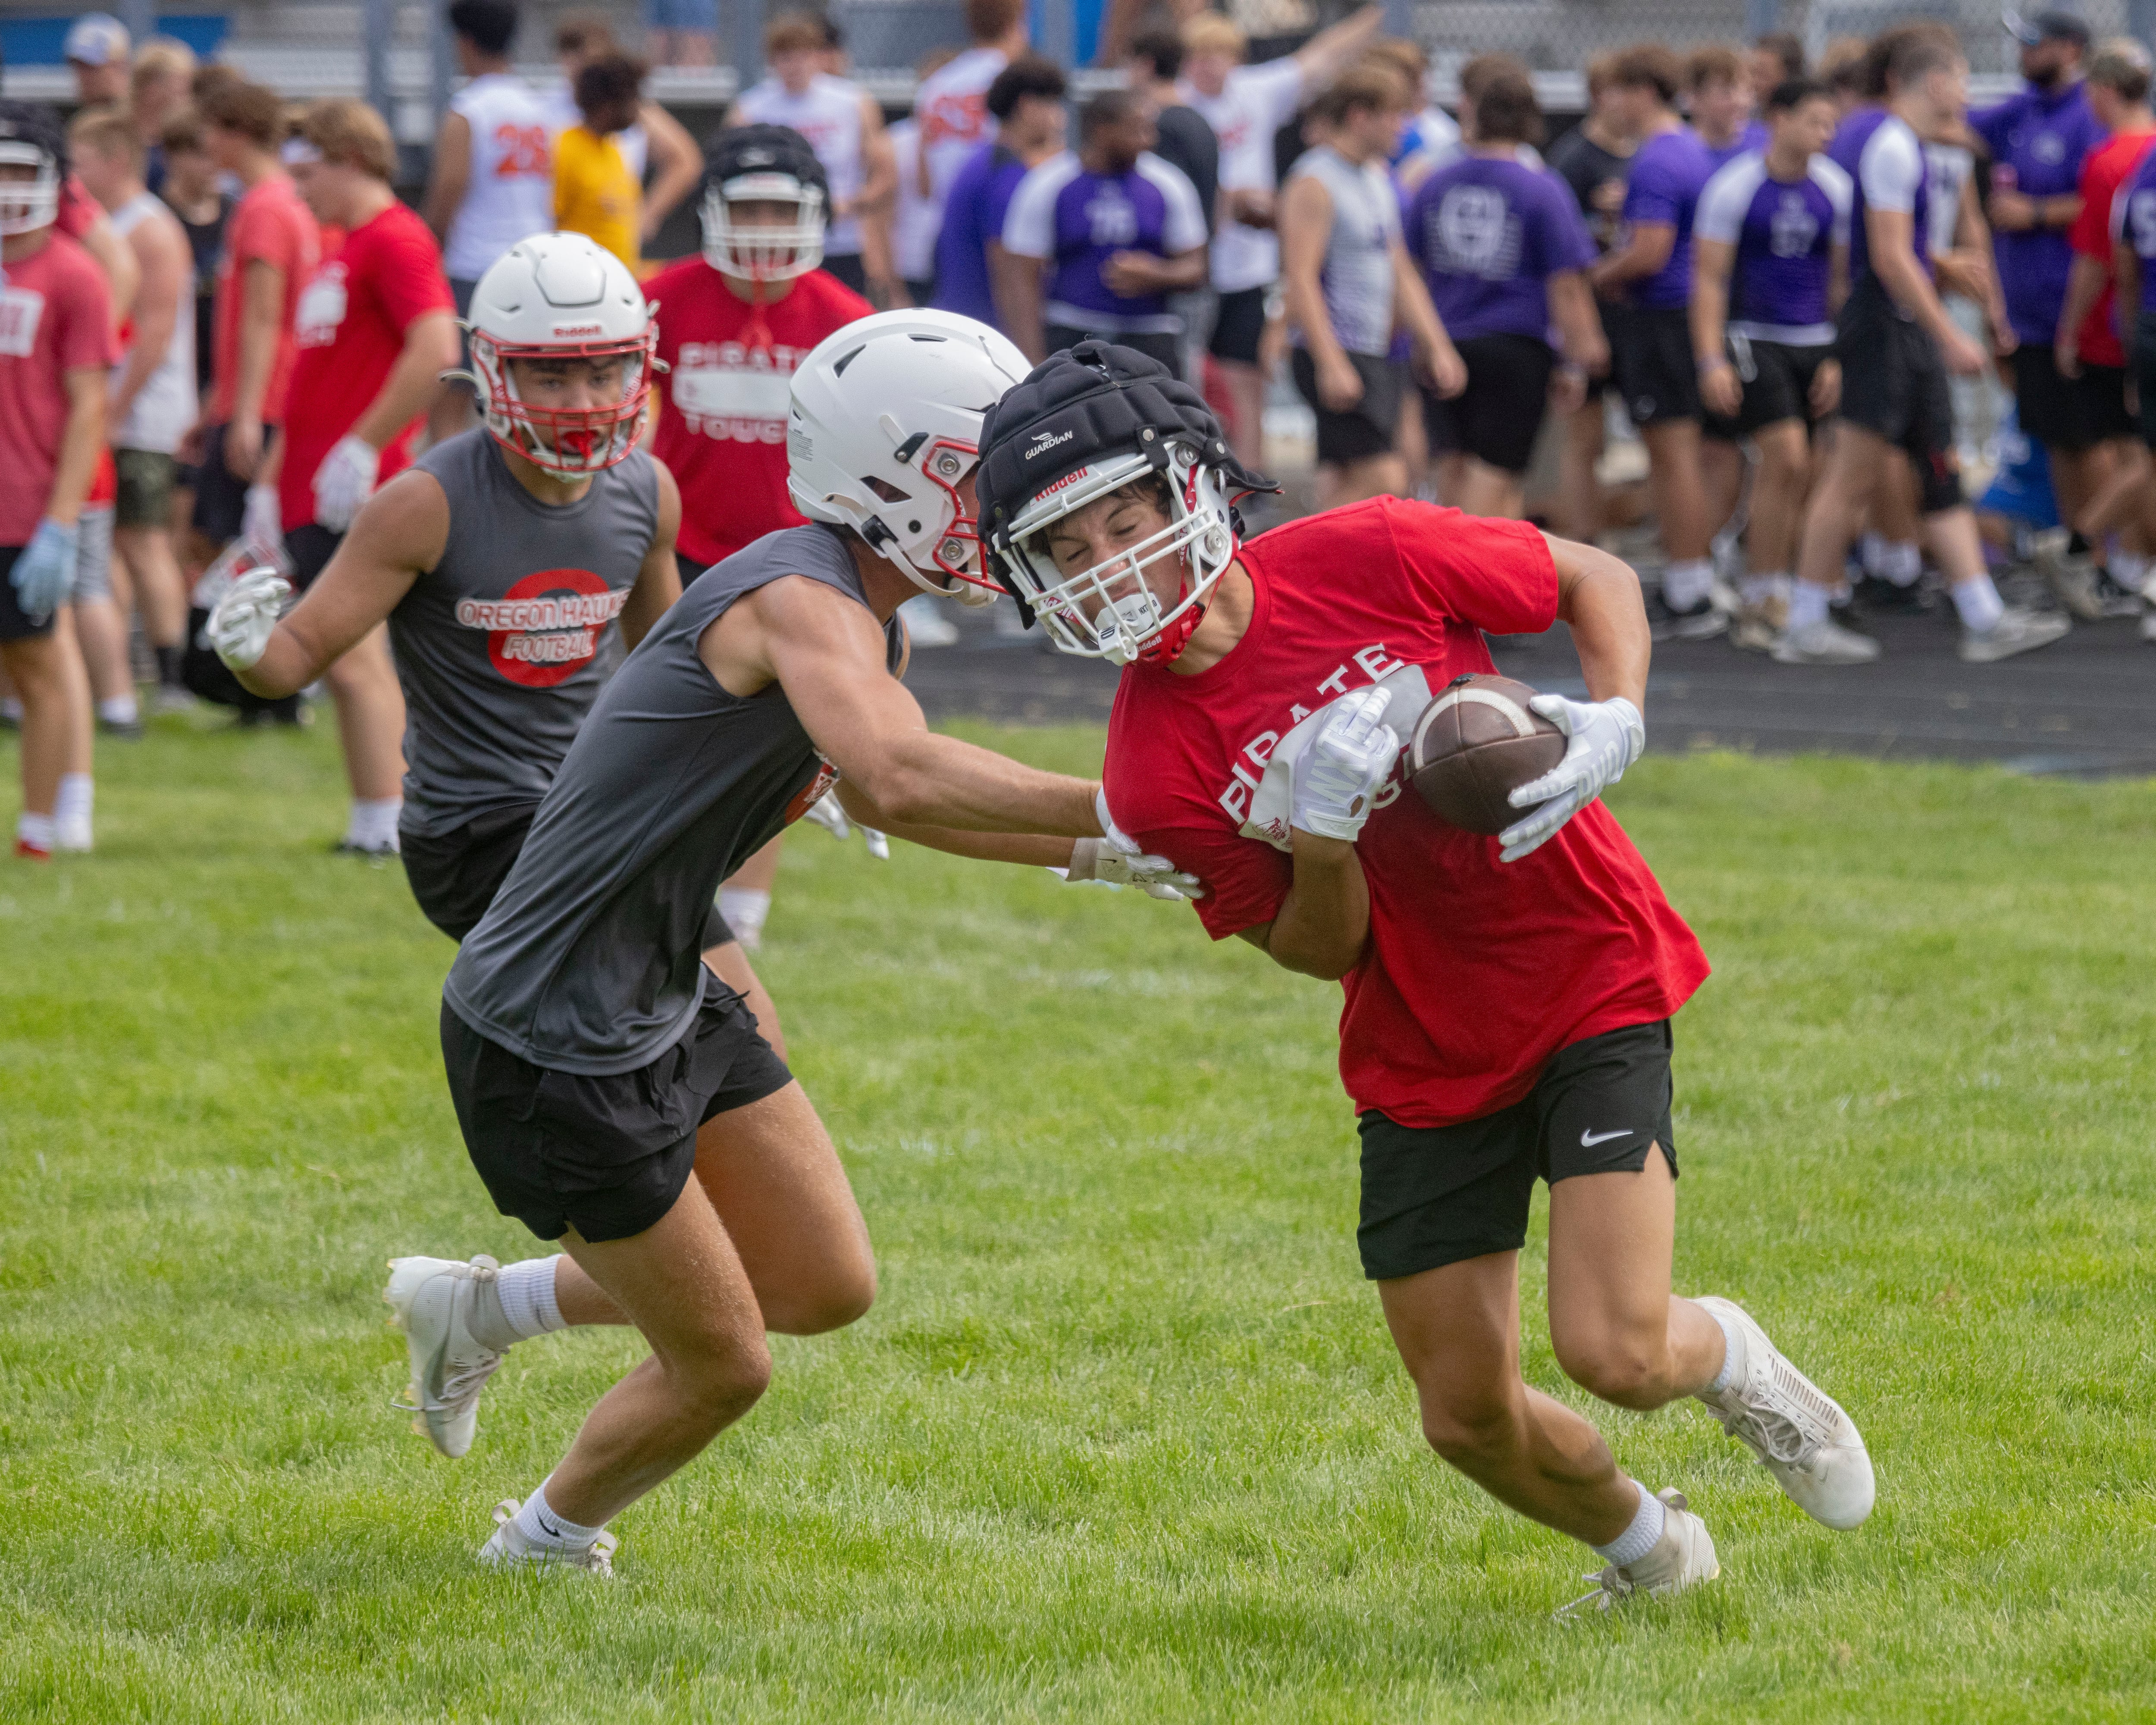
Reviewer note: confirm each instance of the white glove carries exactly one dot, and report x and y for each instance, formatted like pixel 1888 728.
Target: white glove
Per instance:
pixel 1348 760
pixel 1100 860
pixel 262 518
pixel 239 629
pixel 1607 737
pixel 44 570
pixel 344 481
pixel 830 814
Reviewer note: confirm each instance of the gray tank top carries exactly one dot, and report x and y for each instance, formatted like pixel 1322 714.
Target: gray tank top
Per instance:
pixel 503 645
pixel 1357 273
pixel 587 960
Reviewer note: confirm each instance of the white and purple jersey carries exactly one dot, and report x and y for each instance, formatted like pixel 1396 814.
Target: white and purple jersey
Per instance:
pixel 1753 137
pixel 1489 233
pixel 1077 220
pixel 1669 172
pixel 1785 233
pixel 2133 225
pixel 1886 166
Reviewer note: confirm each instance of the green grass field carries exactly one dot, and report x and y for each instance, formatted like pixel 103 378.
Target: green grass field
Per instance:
pixel 1124 1438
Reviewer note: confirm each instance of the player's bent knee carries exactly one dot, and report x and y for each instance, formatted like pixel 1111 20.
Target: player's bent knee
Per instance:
pixel 1621 1371
pixel 718 1389
pixel 1469 1431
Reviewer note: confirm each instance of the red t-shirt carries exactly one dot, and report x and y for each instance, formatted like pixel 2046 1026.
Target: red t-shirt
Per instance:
pixel 269 225
pixel 349 330
pixel 55 317
pixel 722 424
pixel 1477 971
pixel 2108 166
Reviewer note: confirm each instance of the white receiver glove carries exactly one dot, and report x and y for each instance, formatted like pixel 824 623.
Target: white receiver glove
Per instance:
pixel 1117 860
pixel 239 629
pixel 830 814
pixel 344 481
pixel 1347 762
pixel 43 574
pixel 1607 737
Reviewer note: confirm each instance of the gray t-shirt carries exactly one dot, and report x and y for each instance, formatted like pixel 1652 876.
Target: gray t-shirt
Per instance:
pixel 504 644
pixel 587 961
pixel 1357 272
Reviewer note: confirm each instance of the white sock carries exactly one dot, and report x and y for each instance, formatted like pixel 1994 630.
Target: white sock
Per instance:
pixel 1685 585
pixel 119 710
pixel 548 1531
pixel 78 793
pixel 745 909
pixel 1732 1354
pixel 1636 1541
pixel 1900 562
pixel 1807 605
pixel 12 708
pixel 528 1305
pixel 2129 569
pixel 1978 601
pixel 38 831
pixel 1872 552
pixel 1765 589
pixel 373 824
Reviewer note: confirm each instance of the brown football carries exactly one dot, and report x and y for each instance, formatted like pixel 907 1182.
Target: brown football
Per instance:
pixel 1474 744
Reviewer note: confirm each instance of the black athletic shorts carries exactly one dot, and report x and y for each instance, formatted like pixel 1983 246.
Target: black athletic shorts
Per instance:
pixel 1370 429
pixel 1778 386
pixel 687 567
pixel 1155 344
pixel 1436 1195
pixel 455 875
pixel 1896 388
pixel 1498 416
pixel 605 1156
pixel 220 494
pixel 15 624
pixel 848 267
pixel 310 548
pixel 2144 373
pixel 2070 414
pixel 1653 365
pixel 1239 324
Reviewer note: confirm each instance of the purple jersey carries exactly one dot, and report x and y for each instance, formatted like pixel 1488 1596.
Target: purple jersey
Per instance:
pixel 1669 172
pixel 1886 166
pixel 1077 220
pixel 2133 224
pixel 2037 142
pixel 973 215
pixel 1753 137
pixel 1489 233
pixel 1784 232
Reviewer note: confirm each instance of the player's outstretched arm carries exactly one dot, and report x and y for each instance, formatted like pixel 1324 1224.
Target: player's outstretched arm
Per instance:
pixel 826 652
pixel 397 535
pixel 658 577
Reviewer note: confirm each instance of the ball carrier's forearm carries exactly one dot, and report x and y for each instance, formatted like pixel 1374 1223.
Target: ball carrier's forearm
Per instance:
pixel 1324 921
pixel 1598 597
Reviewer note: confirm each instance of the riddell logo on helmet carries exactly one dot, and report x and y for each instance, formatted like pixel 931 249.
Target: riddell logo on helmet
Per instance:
pixel 1044 441
pixel 564 332
pixel 1063 484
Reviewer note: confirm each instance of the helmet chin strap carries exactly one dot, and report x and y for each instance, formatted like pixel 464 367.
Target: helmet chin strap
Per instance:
pixel 1166 647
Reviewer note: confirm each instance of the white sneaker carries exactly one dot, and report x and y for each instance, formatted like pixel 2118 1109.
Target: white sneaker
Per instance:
pixel 72 835
pixel 1824 643
pixel 2017 631
pixel 2072 578
pixel 430 1299
pixel 1798 1431
pixel 1683 1557
pixel 927 625
pixel 507 1548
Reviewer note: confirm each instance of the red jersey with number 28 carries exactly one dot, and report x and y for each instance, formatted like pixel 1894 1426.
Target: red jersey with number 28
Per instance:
pixel 1477 971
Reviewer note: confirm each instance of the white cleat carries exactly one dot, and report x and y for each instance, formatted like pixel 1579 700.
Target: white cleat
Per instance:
pixel 2017 631
pixel 1799 1432
pixel 1682 1557
pixel 430 1300
pixel 508 1548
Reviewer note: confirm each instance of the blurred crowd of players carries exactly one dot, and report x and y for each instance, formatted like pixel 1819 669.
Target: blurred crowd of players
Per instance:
pixel 221 328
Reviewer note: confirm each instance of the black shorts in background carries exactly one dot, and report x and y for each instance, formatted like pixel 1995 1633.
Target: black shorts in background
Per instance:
pixel 847 267
pixel 2144 362
pixel 311 547
pixel 1239 324
pixel 1498 416
pixel 687 567
pixel 1778 386
pixel 220 494
pixel 2069 414
pixel 1653 365
pixel 1895 387
pixel 607 1156
pixel 1439 1195
pixel 1370 429
pixel 455 875
pixel 15 624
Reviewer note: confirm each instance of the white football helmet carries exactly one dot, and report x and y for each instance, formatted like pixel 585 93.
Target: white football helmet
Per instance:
pixel 764 164
pixel 883 427
pixel 560 296
pixel 29 139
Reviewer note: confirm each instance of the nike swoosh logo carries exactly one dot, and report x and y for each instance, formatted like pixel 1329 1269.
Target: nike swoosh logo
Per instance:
pixel 1588 1141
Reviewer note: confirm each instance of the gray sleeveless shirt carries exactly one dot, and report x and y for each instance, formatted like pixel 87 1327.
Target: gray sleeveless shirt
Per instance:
pixel 502 646
pixel 1357 272
pixel 587 962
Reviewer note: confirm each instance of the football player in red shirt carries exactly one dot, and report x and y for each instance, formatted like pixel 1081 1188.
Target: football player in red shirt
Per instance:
pixel 1508 1000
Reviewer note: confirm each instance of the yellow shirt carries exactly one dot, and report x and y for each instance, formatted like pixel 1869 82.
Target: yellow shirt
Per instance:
pixel 596 194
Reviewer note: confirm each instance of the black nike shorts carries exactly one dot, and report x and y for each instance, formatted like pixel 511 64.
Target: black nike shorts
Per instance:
pixel 606 1156
pixel 2068 414
pixel 455 875
pixel 1437 1195
pixel 1238 325
pixel 1777 379
pixel 1497 418
pixel 1653 364
pixel 1372 426
pixel 1895 387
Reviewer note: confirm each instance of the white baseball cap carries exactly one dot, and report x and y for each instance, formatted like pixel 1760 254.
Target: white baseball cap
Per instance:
pixel 96 39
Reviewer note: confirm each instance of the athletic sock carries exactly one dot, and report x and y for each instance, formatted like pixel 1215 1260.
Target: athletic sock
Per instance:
pixel 1636 1541
pixel 1978 601
pixel 542 1527
pixel 524 1300
pixel 169 667
pixel 1732 1369
pixel 1687 585
pixel 78 796
pixel 1756 590
pixel 36 832
pixel 1807 605
pixel 1902 564
pixel 2129 569
pixel 118 709
pixel 373 824
pixel 745 909
pixel 1871 553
